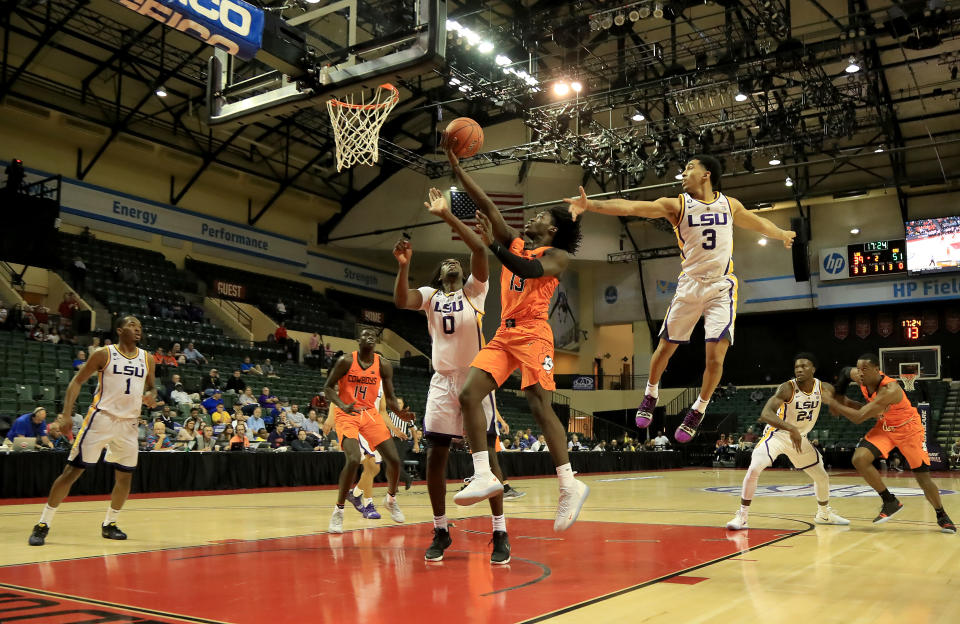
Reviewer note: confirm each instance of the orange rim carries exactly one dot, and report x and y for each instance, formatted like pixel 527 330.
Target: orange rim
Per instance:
pixel 393 98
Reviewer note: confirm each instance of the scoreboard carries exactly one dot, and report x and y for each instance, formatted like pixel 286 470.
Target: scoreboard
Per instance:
pixel 884 257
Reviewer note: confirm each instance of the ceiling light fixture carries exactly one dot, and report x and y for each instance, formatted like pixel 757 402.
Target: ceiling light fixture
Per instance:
pixel 852 66
pixel 561 88
pixel 577 86
pixel 855 231
pixel 762 242
pixel 774 161
pixel 161 91
pixel 788 181
pixel 658 10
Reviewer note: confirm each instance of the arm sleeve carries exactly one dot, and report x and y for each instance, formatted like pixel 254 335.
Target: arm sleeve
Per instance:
pixel 519 266
pixel 426 292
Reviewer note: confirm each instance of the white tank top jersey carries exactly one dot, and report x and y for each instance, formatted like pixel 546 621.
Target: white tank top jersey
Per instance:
pixel 121 383
pixel 705 236
pixel 454 321
pixel 803 409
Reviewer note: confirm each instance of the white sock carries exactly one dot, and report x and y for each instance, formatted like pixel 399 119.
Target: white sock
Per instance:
pixel 499 523
pixel 565 473
pixel 744 510
pixel 700 405
pixel 440 522
pixel 481 463
pixel 367 501
pixel 391 498
pixel 46 516
pixel 653 390
pixel 337 509
pixel 111 516
pixel 357 491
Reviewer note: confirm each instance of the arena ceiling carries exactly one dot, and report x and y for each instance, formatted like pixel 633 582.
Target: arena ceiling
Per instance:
pixel 681 65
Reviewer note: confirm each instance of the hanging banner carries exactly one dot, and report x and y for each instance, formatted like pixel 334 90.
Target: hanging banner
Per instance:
pixel 565 312
pixel 330 269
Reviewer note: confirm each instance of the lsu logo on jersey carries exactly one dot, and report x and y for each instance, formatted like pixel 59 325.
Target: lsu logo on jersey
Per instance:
pixel 448 308
pixel 707 218
pixel 806 405
pixel 128 370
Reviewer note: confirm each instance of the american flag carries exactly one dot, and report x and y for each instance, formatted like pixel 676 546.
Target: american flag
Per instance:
pixel 464 209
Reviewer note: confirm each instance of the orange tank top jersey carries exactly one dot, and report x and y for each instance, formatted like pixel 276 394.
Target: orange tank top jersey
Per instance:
pixel 361 385
pixel 525 299
pixel 898 413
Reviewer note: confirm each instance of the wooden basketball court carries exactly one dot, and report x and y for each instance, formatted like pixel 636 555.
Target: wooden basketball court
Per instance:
pixel 648 547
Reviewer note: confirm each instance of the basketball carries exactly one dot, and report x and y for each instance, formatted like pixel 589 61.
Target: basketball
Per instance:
pixel 465 136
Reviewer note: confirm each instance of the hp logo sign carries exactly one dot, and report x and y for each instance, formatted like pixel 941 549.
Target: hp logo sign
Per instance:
pixel 834 263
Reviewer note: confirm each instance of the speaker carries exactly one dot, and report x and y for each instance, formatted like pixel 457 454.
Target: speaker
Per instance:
pixel 801 249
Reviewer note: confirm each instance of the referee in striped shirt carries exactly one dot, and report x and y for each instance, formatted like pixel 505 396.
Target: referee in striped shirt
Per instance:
pixel 403 445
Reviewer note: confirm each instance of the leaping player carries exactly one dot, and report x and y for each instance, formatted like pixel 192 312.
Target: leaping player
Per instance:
pixel 790 415
pixel 352 388
pixel 531 260
pixel 703 219
pixel 125 382
pixel 898 425
pixel 454 306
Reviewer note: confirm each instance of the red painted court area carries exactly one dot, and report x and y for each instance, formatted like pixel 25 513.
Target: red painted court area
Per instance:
pixel 380 575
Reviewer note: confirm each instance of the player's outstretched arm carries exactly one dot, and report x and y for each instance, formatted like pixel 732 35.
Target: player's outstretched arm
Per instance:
pixel 341 368
pixel 552 262
pixel 886 396
pixel 750 221
pixel 501 231
pixel 666 207
pixel 404 297
pixel 479 266
pixel 393 403
pixel 98 361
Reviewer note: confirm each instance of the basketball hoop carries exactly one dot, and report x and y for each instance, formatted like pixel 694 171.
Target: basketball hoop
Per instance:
pixel 356 127
pixel 909 379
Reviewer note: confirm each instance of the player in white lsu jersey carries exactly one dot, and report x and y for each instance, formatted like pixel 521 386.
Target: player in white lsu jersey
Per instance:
pixel 703 219
pixel 125 375
pixel 790 415
pixel 454 308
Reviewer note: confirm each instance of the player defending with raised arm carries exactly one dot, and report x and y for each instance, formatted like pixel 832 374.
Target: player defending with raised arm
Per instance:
pixel 125 374
pixel 898 425
pixel 789 416
pixel 352 389
pixel 454 306
pixel 531 263
pixel 703 220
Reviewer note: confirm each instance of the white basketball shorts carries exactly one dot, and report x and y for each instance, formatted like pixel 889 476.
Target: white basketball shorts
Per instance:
pixel 777 442
pixel 102 430
pixel 443 417
pixel 715 301
pixel 365 449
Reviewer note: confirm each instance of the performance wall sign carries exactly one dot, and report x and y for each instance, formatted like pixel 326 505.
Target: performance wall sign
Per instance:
pixel 330 269
pixel 229 290
pixel 231 25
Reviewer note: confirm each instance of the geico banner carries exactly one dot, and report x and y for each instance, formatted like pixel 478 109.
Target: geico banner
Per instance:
pixel 330 269
pixel 81 202
pixel 232 25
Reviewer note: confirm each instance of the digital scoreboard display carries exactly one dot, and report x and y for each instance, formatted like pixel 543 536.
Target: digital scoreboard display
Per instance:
pixel 876 258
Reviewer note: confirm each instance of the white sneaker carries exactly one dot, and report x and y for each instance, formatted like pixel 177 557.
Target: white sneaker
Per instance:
pixel 826 515
pixel 739 522
pixel 569 505
pixel 481 487
pixel 395 514
pixel 336 521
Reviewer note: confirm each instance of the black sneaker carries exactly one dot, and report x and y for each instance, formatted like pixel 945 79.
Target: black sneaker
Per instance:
pixel 110 531
pixel 39 535
pixel 441 541
pixel 501 548
pixel 887 510
pixel 946 524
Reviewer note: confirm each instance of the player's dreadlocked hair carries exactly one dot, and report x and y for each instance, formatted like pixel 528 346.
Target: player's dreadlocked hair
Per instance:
pixel 711 164
pixel 568 235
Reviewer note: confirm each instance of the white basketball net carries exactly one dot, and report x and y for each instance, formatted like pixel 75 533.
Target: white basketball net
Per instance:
pixel 909 379
pixel 356 127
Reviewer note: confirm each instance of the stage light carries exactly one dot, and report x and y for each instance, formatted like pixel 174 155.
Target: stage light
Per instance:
pixel 485 47
pixel 452 25
pixel 561 88
pixel 644 12
pixel 679 176
pixel 852 66
pixel 788 181
pixel 854 231
pixel 741 95
pixel 161 91
pixel 454 82
pixel 619 20
pixel 658 10
pixel 502 60
pixel 762 242
pixel 879 149
pixel 606 21
pixel 634 15
pixel 774 161
pixel 577 86
pixel 638 115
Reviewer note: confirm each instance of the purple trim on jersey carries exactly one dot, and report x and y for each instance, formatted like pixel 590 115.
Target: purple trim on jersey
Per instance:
pixel 726 330
pixel 766 443
pixel 120 467
pixel 78 460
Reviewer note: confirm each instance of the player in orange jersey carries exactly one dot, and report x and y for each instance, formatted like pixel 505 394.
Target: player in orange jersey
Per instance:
pixel 531 260
pixel 352 388
pixel 898 425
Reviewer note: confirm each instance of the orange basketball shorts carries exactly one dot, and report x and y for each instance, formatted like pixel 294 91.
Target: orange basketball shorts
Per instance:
pixel 909 438
pixel 367 423
pixel 528 347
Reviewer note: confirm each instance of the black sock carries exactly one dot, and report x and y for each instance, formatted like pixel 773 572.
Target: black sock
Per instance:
pixel 887 496
pixel 506 487
pixel 940 512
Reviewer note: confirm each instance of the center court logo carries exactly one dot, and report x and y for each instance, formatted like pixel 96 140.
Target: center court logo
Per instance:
pixel 834 263
pixel 836 491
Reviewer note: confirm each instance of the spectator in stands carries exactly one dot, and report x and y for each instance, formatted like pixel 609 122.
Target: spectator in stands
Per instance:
pixel 165 415
pixel 601 446
pixel 614 445
pixel 206 441
pixel 268 368
pixel 212 380
pixel 507 444
pixel 319 402
pixel 756 396
pixel 280 335
pixel 58 441
pixel 142 433
pixel 649 445
pixel 261 435
pixel 94 345
pixel 76 425
pixel 249 368
pixel 574 443
pixel 311 425
pixel 177 354
pixel 661 442
pixel 240 417
pixel 301 443
pixel 220 417
pixel 80 360
pixel 193 356
pixel 247 400
pixel 295 417
pixel 213 401
pixel 268 401
pixel 278 436
pixel 31 425
pixel 158 356
pixel 223 440
pixel 236 383
pixel 178 396
pixel 188 433
pixel 67 308
pixel 53 336
pixel 158 439
pixel 281 313
pixel 240 438
pixel 255 421
pixel 315 345
pixel 955 453
pixel 749 439
pixel 4 315
pixel 540 444
pixel 328 355
pixel 78 273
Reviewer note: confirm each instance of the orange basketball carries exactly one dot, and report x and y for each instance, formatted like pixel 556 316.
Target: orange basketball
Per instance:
pixel 465 136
